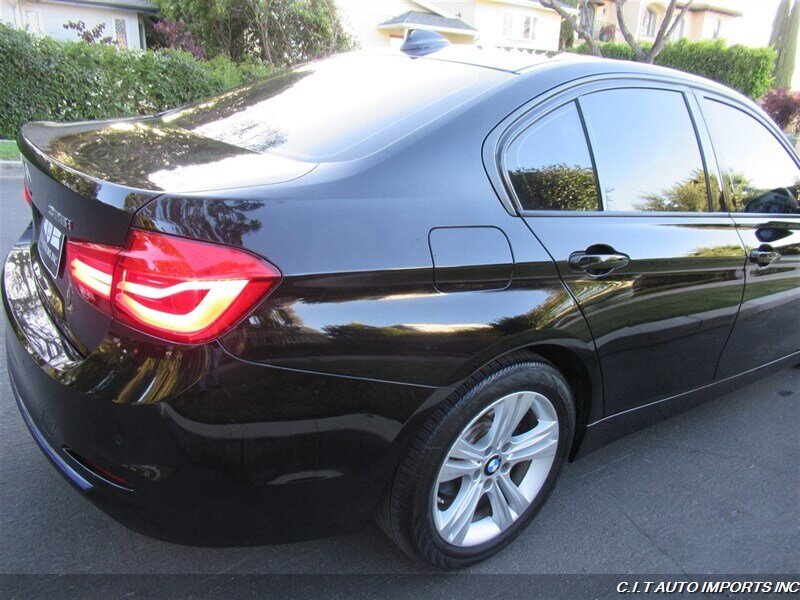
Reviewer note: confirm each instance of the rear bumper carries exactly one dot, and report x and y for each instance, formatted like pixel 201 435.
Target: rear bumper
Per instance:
pixel 192 446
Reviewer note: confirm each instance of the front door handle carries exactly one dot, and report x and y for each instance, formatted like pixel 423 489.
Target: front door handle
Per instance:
pixel 597 264
pixel 764 256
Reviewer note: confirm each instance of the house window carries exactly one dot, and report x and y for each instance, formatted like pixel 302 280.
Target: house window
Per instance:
pixel 649 23
pixel 528 27
pixel 717 28
pixel 678 33
pixel 32 23
pixel 8 14
pixel 120 33
pixel 508 25
pixel 518 26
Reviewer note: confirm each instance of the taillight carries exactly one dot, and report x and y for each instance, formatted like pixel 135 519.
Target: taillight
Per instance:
pixel 91 268
pixel 26 191
pixel 174 288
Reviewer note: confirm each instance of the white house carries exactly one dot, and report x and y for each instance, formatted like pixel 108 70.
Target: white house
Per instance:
pixel 511 24
pixel 123 19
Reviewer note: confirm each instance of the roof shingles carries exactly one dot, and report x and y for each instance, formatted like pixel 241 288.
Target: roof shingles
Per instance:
pixel 137 5
pixel 414 18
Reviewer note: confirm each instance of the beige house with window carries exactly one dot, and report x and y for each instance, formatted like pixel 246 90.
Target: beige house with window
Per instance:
pixel 703 21
pixel 521 25
pixel 123 19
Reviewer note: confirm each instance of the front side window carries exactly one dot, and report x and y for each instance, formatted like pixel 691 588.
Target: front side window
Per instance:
pixel 646 150
pixel 549 165
pixel 759 174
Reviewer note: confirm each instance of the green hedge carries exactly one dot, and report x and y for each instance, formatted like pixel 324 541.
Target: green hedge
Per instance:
pixel 748 70
pixel 43 79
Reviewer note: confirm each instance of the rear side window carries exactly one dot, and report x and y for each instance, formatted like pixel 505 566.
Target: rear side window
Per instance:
pixel 759 174
pixel 549 165
pixel 646 150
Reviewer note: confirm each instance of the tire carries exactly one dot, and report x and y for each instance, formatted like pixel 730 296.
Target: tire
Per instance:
pixel 408 514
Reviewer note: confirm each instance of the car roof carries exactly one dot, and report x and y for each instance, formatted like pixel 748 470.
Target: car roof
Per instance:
pixel 573 64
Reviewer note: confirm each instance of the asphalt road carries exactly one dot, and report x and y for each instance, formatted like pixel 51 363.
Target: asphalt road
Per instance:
pixel 714 490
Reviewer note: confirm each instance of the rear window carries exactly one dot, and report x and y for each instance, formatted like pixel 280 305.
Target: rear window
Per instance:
pixel 341 108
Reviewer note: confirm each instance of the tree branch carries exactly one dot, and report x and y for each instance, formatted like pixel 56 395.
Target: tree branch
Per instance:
pixel 667 28
pixel 585 35
pixel 626 33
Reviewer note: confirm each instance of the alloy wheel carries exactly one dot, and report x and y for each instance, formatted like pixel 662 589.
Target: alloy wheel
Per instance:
pixel 495 468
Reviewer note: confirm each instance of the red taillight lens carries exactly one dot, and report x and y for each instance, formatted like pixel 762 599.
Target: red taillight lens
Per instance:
pixel 26 191
pixel 91 268
pixel 174 288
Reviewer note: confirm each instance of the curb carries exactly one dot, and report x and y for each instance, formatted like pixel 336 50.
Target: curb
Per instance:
pixel 10 163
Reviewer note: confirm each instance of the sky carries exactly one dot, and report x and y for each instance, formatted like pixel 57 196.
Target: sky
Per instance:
pixel 754 26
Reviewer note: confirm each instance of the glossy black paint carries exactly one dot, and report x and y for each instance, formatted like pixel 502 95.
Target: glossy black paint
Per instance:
pixel 407 267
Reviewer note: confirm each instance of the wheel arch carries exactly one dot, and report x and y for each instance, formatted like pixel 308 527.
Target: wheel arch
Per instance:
pixel 586 388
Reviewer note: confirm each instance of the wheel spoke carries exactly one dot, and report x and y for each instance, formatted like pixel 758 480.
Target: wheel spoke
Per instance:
pixel 507 415
pixel 516 500
pixel 466 451
pixel 539 442
pixel 454 468
pixel 458 517
pixel 502 514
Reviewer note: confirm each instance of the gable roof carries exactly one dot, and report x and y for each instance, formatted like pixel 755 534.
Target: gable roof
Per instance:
pixel 144 6
pixel 414 18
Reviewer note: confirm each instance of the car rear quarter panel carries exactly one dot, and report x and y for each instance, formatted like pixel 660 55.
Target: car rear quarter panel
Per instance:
pixel 358 296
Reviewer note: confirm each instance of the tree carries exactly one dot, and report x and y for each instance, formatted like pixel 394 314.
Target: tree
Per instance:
pixel 90 36
pixel 583 27
pixel 177 35
pixel 784 40
pixel 280 32
pixel 780 22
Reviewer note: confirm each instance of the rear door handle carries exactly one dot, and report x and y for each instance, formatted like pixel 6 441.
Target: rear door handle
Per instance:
pixel 764 256
pixel 597 264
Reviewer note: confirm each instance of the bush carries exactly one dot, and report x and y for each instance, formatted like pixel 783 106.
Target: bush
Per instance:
pixel 784 108
pixel 748 70
pixel 43 79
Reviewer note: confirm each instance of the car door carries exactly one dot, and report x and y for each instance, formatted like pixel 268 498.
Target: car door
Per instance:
pixel 611 179
pixel 761 183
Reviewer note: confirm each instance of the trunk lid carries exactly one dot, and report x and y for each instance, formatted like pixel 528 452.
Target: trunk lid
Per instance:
pixel 88 179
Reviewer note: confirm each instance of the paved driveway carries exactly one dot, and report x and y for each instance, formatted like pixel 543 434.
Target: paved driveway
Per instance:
pixel 716 489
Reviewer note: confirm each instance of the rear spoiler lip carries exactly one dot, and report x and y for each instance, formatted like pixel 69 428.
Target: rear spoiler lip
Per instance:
pixel 119 196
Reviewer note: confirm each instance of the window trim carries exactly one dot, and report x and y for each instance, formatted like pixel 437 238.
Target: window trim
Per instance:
pixel 764 121
pixel 510 127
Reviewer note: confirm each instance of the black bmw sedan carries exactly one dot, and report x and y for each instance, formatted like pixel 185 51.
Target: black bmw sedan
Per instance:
pixel 407 285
